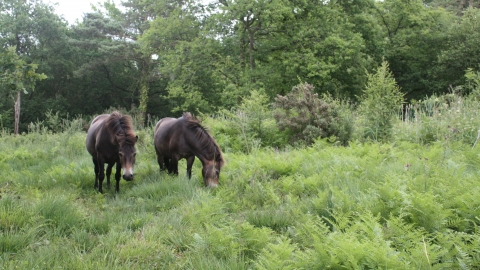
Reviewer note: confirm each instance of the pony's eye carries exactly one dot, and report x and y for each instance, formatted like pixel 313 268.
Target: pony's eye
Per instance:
pixel 120 154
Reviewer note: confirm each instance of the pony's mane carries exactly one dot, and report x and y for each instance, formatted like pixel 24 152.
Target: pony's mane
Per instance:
pixel 118 124
pixel 209 144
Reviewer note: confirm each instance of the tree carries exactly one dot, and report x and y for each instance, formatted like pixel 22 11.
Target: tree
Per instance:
pixel 457 7
pixel 462 51
pixel 37 36
pixel 108 40
pixel 186 57
pixel 135 21
pixel 415 36
pixel 285 40
pixel 107 64
pixel 379 103
pixel 17 76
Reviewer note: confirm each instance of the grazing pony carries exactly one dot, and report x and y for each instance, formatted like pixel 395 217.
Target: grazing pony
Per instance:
pixel 184 137
pixel 110 140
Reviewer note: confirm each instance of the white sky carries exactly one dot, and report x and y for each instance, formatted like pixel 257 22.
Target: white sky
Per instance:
pixel 73 10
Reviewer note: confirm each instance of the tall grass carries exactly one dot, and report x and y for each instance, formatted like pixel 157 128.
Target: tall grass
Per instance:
pixel 411 203
pixel 440 118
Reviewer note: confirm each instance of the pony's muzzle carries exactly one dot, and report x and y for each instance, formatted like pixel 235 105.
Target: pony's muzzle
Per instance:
pixel 128 177
pixel 128 174
pixel 211 183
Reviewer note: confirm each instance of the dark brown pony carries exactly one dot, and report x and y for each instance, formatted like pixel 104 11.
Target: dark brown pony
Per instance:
pixel 184 137
pixel 110 140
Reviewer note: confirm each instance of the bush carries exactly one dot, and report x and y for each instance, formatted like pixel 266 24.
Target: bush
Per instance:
pixel 472 85
pixel 305 117
pixel 6 119
pixel 247 127
pixel 55 123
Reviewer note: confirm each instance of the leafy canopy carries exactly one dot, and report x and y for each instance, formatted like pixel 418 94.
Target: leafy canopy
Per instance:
pixel 16 74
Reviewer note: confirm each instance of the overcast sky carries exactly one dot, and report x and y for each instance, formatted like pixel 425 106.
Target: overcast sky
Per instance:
pixel 74 9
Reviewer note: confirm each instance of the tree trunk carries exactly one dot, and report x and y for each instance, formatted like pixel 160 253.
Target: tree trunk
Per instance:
pixel 251 47
pixel 17 113
pixel 143 99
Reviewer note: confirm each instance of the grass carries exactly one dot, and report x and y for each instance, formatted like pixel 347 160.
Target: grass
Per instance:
pixel 399 205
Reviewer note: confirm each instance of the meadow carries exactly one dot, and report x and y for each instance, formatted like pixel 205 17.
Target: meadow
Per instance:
pixel 409 203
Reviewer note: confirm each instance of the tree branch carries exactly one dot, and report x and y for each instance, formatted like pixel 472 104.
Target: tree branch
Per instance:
pixel 107 72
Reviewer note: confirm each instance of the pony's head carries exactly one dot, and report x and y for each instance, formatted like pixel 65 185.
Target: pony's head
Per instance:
pixel 126 155
pixel 121 126
pixel 207 150
pixel 211 173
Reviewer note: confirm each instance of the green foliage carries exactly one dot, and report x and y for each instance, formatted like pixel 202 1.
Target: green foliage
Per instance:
pixel 277 219
pixel 171 56
pixel 472 84
pixel 306 117
pixel 248 127
pixel 185 56
pixel 414 35
pixel 16 74
pixel 461 51
pixel 379 104
pixel 26 29
pixel 54 123
pixel 277 256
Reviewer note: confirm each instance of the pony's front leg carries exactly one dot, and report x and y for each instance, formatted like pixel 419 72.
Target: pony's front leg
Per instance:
pixel 101 173
pixel 118 173
pixel 109 172
pixel 190 161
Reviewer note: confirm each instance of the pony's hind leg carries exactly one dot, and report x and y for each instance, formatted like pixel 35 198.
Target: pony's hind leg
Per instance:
pixel 109 172
pixel 161 163
pixel 95 163
pixel 166 162
pixel 101 173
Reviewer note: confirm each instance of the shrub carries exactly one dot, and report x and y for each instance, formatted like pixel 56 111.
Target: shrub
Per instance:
pixel 306 117
pixel 247 127
pixel 472 85
pixel 55 123
pixel 6 119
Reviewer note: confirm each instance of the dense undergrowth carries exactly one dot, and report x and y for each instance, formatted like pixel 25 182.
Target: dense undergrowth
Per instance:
pixel 410 203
